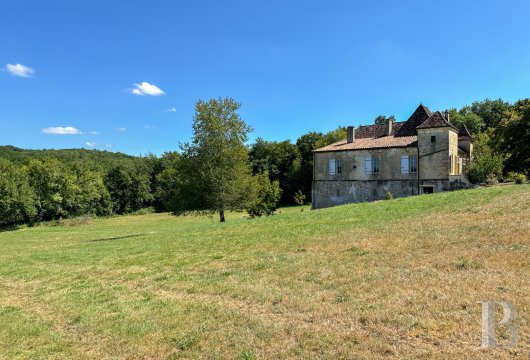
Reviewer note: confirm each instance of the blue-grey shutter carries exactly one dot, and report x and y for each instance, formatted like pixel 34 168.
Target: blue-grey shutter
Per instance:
pixel 368 166
pixel 332 166
pixel 405 164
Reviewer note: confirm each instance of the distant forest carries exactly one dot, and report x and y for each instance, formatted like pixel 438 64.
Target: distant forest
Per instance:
pixel 44 185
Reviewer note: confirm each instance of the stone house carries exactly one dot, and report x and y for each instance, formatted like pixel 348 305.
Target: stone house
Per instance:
pixel 422 155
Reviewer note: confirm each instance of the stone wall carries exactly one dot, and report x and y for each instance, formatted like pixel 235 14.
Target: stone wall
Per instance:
pixel 339 192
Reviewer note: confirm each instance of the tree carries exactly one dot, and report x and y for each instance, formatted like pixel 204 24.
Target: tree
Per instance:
pixel 331 137
pixel 513 137
pixel 487 164
pixel 91 194
pixel 129 187
pixel 216 161
pixel 277 159
pixel 266 196
pixel 17 199
pixel 471 120
pixel 169 184
pixel 490 111
pixel 302 172
pixel 382 119
pixel 54 185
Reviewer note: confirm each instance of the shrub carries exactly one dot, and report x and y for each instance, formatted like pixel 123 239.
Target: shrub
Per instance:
pixel 486 167
pixel 389 196
pixel 518 178
pixel 299 198
pixel 266 196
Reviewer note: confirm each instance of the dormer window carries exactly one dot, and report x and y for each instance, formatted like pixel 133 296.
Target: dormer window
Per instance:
pixel 433 138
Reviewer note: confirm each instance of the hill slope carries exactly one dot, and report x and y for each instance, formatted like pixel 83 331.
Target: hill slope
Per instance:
pixel 394 279
pixel 103 158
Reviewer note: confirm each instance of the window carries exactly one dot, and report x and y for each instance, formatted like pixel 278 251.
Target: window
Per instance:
pixel 405 164
pixel 335 167
pixel 331 167
pixel 371 166
pixel 409 164
pixel 433 138
pixel 413 163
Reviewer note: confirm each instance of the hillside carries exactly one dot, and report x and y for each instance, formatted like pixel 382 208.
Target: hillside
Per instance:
pixel 99 157
pixel 391 279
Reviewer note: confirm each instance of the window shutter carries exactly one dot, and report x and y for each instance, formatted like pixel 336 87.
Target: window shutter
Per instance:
pixel 404 164
pixel 368 166
pixel 332 166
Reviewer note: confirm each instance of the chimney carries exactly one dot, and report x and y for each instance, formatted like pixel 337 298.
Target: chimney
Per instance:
pixel 388 127
pixel 447 115
pixel 351 134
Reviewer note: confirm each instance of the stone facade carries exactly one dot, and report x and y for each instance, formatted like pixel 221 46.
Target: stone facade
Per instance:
pixel 413 158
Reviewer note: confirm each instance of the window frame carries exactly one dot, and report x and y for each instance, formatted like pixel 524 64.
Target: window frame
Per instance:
pixel 415 162
pixel 375 166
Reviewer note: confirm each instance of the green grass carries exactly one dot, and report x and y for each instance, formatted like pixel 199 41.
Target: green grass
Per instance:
pixel 396 279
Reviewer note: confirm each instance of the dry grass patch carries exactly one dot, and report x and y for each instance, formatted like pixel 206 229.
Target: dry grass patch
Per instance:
pixel 396 279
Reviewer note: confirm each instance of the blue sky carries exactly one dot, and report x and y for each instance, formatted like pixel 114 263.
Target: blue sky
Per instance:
pixel 295 66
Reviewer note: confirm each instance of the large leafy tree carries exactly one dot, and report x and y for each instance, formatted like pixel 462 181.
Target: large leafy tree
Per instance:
pixel 490 111
pixel 17 199
pixel 513 137
pixel 55 187
pixel 216 161
pixel 129 187
pixel 469 119
pixel 277 159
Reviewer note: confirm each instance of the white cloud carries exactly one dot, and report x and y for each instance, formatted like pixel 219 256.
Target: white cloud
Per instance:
pixel 60 130
pixel 94 132
pixel 121 129
pixel 171 110
pixel 91 144
pixel 20 70
pixel 108 145
pixel 149 127
pixel 145 88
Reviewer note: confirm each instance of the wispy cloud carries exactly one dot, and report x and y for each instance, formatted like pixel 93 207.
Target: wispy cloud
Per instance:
pixel 93 132
pixel 95 144
pixel 171 110
pixel 145 88
pixel 20 70
pixel 149 127
pixel 121 129
pixel 60 130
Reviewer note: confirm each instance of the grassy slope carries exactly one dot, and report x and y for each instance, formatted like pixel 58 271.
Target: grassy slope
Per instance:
pixel 396 279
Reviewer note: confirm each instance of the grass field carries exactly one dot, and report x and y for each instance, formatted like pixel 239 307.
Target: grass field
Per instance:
pixel 393 279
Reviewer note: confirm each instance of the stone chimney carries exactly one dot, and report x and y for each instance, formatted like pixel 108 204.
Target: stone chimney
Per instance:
pixel 446 114
pixel 351 134
pixel 388 127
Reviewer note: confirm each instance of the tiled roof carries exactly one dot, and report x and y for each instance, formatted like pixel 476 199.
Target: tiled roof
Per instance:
pixel 417 118
pixel 371 143
pixel 434 121
pixel 464 132
pixel 404 134
pixel 373 131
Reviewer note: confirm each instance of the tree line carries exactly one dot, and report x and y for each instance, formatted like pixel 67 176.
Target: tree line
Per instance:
pixel 217 171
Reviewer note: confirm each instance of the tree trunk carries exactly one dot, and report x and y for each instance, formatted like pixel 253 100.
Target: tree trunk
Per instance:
pixel 222 215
